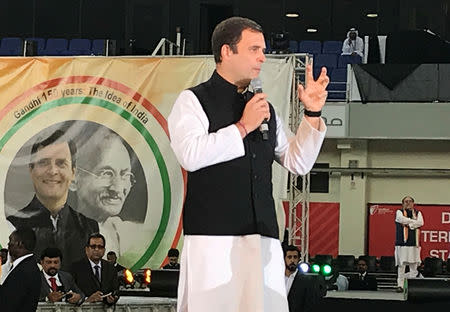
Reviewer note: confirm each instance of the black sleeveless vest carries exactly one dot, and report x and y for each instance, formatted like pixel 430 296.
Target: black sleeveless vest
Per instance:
pixel 399 236
pixel 233 197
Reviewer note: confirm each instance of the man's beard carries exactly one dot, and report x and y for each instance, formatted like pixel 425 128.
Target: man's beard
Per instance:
pixel 52 271
pixel 292 267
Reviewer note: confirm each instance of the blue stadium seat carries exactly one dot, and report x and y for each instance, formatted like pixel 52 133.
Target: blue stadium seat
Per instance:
pixel 336 95
pixel 98 47
pixel 332 46
pixel 327 60
pixel 40 44
pixel 11 46
pixel 310 46
pixel 293 46
pixel 55 46
pixel 317 70
pixel 339 75
pixel 337 88
pixel 79 47
pixel 348 59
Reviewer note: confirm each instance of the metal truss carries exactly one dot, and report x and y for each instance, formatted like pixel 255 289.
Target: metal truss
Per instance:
pixel 298 227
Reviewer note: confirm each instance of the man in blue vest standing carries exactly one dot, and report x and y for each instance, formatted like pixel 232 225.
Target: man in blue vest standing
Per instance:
pixel 229 217
pixel 407 244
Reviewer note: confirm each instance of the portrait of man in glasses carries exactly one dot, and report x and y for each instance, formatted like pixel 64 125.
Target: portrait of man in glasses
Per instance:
pixel 52 168
pixel 103 181
pixel 98 176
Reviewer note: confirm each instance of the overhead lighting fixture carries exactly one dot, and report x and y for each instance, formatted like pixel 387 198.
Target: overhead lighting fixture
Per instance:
pixel 292 15
pixel 311 30
pixel 372 15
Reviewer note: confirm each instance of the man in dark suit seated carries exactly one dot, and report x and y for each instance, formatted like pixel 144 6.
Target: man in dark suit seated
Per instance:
pixel 52 169
pixel 364 280
pixel 112 258
pixel 20 289
pixel 97 278
pixel 57 285
pixel 173 264
pixel 304 292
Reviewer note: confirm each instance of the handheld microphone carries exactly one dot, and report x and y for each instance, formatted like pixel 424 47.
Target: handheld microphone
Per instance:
pixel 264 127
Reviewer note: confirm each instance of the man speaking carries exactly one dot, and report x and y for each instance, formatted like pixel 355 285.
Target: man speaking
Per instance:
pixel 232 258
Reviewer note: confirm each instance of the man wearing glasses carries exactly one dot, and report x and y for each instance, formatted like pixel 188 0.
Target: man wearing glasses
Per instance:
pixel 96 277
pixel 103 182
pixel 52 168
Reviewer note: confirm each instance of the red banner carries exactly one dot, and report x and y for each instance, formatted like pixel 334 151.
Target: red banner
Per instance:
pixel 323 227
pixel 434 234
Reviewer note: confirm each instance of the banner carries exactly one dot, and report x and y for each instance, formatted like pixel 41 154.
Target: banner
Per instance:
pixel 323 227
pixel 125 177
pixel 434 234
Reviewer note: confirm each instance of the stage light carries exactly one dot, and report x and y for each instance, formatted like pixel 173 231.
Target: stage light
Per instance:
pixel 303 267
pixel 326 269
pixel 129 278
pixel 292 14
pixel 315 268
pixel 147 276
pixel 372 15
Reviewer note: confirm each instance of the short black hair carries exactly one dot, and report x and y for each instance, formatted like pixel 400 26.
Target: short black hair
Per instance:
pixel 291 248
pixel 362 258
pixel 51 252
pixel 111 253
pixel 95 235
pixel 173 252
pixel 26 236
pixel 229 32
pixel 54 138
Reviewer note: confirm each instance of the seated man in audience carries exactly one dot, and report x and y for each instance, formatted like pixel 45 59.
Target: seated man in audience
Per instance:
pixel 57 285
pixel 97 278
pixel 112 258
pixel 336 280
pixel 364 280
pixel 353 44
pixel 173 264
pixel 304 292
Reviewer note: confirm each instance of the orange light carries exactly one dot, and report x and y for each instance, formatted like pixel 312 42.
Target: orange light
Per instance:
pixel 128 276
pixel 148 276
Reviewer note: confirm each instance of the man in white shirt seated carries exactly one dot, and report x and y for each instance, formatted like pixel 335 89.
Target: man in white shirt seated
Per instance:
pixel 353 44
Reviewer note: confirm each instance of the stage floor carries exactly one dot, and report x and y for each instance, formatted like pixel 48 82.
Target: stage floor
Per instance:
pixel 367 294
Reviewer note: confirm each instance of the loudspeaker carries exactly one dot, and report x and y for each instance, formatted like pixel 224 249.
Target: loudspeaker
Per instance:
pixel 319 181
pixel 428 289
pixel 164 283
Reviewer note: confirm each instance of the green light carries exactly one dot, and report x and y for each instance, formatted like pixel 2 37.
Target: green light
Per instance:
pixel 315 268
pixel 326 269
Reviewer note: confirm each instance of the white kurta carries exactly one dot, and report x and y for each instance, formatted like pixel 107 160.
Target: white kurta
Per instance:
pixel 408 254
pixel 233 273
